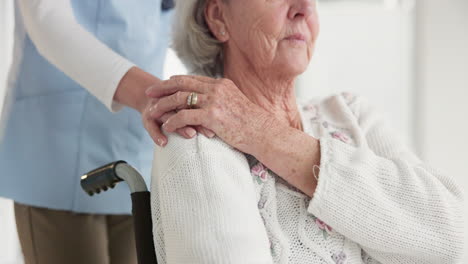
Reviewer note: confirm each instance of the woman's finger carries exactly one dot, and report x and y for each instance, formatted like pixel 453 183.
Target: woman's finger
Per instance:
pixel 186 132
pixel 205 131
pixel 181 83
pixel 192 117
pixel 165 117
pixel 174 102
pixel 160 139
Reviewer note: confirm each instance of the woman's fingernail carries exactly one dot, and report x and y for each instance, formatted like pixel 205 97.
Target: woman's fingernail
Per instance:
pixel 190 132
pixel 210 134
pixel 159 142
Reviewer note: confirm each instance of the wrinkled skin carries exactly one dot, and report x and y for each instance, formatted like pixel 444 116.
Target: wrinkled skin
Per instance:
pixel 222 108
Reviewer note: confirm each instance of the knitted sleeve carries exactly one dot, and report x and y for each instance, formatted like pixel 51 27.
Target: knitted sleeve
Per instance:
pixel 207 203
pixel 380 195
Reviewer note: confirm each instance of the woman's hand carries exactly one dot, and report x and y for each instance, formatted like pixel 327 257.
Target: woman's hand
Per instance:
pixel 221 108
pixel 131 93
pixel 153 124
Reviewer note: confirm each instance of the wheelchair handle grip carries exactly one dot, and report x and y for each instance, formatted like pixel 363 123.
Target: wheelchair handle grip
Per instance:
pixel 107 176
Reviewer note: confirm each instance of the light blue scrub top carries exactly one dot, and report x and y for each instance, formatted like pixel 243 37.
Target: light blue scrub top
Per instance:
pixel 58 131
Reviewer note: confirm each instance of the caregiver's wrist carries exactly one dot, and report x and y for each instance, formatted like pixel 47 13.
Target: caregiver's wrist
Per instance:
pixel 131 89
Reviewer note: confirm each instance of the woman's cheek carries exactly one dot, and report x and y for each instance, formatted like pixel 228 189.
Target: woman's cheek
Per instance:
pixel 314 25
pixel 263 35
pixel 262 49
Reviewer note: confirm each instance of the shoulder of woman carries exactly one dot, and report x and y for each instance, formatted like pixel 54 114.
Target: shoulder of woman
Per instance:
pixel 179 150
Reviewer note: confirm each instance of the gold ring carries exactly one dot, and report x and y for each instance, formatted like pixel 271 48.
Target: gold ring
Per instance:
pixel 192 100
pixel 189 100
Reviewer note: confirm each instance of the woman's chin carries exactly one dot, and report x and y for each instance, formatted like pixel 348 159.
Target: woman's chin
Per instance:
pixel 294 61
pixel 293 68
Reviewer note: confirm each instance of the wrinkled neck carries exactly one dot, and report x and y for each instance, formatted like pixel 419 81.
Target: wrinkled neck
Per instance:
pixel 273 92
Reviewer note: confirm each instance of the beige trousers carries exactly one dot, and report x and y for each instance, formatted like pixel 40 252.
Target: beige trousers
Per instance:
pixel 59 237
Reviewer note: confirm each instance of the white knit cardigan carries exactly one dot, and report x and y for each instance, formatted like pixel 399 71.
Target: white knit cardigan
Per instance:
pixel 375 201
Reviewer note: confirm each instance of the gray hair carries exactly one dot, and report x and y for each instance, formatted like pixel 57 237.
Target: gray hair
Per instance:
pixel 193 40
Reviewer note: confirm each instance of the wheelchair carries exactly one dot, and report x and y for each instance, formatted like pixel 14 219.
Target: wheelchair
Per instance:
pixel 107 177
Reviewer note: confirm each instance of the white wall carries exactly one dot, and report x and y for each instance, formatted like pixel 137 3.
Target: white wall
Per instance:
pixel 6 31
pixel 442 57
pixel 10 252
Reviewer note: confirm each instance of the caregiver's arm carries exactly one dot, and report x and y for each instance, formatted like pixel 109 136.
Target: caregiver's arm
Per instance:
pixel 58 37
pixel 207 204
pixel 111 78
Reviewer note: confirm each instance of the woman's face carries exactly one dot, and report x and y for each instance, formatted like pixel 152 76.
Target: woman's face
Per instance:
pixel 276 35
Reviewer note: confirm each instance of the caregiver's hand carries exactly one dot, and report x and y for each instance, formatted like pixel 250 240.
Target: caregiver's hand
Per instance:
pixel 221 107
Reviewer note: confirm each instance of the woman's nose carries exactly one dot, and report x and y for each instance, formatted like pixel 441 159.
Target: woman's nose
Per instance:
pixel 301 8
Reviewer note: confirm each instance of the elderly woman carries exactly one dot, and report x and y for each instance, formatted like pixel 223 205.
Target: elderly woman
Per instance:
pixel 322 182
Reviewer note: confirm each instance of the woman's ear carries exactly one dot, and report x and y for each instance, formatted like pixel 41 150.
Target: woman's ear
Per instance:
pixel 215 18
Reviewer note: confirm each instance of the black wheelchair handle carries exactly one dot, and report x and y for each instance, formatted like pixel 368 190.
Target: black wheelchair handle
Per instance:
pixel 107 176
pixel 101 179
